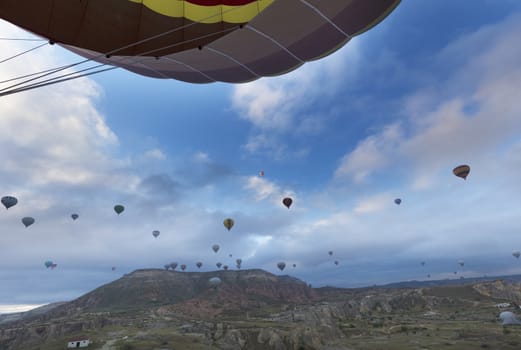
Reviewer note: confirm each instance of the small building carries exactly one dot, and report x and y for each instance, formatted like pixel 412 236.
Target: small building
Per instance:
pixel 80 342
pixel 503 305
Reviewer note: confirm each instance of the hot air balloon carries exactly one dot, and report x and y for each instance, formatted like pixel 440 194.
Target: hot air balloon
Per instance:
pixel 9 201
pixel 330 253
pixel 199 264
pixel 287 202
pixel 423 263
pixel 455 272
pixel 281 265
pixel 228 223
pixel 398 201
pixel 183 267
pixel 218 265
pixel 336 262
pixel 214 282
pixel 173 265
pixel 230 255
pixel 516 253
pixel 48 263
pixel 113 268
pixel 461 262
pixel 461 171
pixel 215 248
pixel 155 233
pixel 225 267
pixel 167 266
pixel 74 216
pixel 261 173
pixel 294 265
pixel 119 209
pixel 200 41
pixel 238 263
pixel 28 221
pixel 428 276
pixel 53 266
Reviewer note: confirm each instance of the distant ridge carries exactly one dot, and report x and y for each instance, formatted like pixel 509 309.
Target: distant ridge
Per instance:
pixel 448 282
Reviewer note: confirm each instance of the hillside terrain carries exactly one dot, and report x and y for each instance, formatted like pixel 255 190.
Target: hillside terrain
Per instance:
pixel 253 309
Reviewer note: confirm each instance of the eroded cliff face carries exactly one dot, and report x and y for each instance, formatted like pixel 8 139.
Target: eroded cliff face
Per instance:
pixel 501 289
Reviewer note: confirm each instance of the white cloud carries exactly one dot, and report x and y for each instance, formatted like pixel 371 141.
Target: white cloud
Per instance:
pixel 470 115
pixel 155 153
pixel 276 106
pixel 371 154
pixel 374 204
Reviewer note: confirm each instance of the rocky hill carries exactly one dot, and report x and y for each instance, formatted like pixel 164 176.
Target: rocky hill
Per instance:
pixel 253 309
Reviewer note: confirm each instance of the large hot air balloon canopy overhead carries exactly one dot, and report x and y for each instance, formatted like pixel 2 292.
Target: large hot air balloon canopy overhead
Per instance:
pixel 9 201
pixel 199 41
pixel 461 171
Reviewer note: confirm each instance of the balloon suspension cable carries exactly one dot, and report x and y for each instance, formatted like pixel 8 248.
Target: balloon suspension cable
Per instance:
pixel 22 39
pixel 12 89
pixel 22 53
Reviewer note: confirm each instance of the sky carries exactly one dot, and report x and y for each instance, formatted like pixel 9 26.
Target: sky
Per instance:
pixel 389 115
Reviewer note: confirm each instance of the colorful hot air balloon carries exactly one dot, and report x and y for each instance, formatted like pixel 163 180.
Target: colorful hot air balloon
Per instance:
pixel 225 267
pixel 281 265
pixel 48 263
pixel 330 253
pixel 53 266
pixel 294 265
pixel 199 264
pixel 74 216
pixel 199 41
pixel 167 266
pixel 423 263
pixel 261 173
pixel 287 202
pixel 183 267
pixel 336 262
pixel 215 248
pixel 516 253
pixel 462 171
pixel 173 265
pixel 238 263
pixel 9 201
pixel 119 209
pixel 28 221
pixel 155 233
pixel 398 201
pixel 218 265
pixel 228 223
pixel 113 268
pixel 428 276
pixel 230 255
